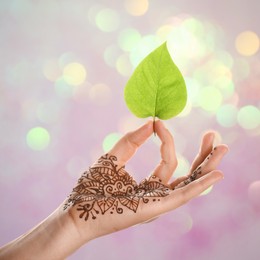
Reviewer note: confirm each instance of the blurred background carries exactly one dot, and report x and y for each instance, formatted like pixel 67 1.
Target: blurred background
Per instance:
pixel 64 65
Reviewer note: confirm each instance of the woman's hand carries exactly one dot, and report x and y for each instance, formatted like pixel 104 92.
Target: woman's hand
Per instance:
pixel 107 199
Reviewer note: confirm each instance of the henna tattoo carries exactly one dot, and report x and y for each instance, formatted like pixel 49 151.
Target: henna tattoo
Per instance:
pixel 107 188
pixel 195 174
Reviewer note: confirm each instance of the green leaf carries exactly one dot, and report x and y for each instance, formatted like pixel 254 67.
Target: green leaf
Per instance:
pixel 156 87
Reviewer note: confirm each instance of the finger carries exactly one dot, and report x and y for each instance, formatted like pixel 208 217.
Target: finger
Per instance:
pixel 125 148
pixel 205 148
pixel 213 159
pixel 177 182
pixel 168 162
pixel 198 186
pixel 182 195
pixel 208 165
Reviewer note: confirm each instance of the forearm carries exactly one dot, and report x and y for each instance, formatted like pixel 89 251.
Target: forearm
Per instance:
pixel 54 238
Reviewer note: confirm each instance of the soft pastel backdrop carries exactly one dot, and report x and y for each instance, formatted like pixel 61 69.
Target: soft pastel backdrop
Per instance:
pixel 63 67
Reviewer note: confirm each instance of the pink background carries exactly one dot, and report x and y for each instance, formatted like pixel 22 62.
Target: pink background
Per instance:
pixel 39 38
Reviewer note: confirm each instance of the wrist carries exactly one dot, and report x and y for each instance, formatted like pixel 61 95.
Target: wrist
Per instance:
pixel 63 233
pixel 54 238
pixel 84 230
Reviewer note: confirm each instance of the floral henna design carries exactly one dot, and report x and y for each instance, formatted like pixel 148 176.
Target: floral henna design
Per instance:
pixel 107 188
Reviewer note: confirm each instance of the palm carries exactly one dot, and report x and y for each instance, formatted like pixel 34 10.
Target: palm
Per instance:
pixel 107 189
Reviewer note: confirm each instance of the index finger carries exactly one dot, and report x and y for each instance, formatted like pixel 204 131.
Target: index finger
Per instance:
pixel 126 147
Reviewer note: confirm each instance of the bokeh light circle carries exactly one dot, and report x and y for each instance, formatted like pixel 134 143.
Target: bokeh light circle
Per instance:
pixel 63 89
pixel 124 66
pixel 210 98
pixel 51 70
pixel 183 222
pixel 100 94
pixel 144 47
pixel 248 117
pixel 38 138
pixel 193 89
pixel 74 74
pixel 66 58
pixel 164 31
pixel 136 7
pixel 110 140
pixel 225 84
pixel 207 191
pixel 241 69
pixel 189 40
pixel 107 20
pixel 183 166
pixel 128 39
pixel 81 93
pixel 225 58
pixel 187 109
pixel 111 55
pixel 247 43
pixel 227 115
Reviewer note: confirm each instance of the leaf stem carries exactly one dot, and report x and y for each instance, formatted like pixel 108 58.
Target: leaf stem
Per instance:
pixel 154 126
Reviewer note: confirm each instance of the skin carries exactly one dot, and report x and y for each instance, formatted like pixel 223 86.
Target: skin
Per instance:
pixel 64 231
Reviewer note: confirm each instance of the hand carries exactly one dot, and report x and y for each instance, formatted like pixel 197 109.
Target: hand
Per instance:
pixel 107 199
